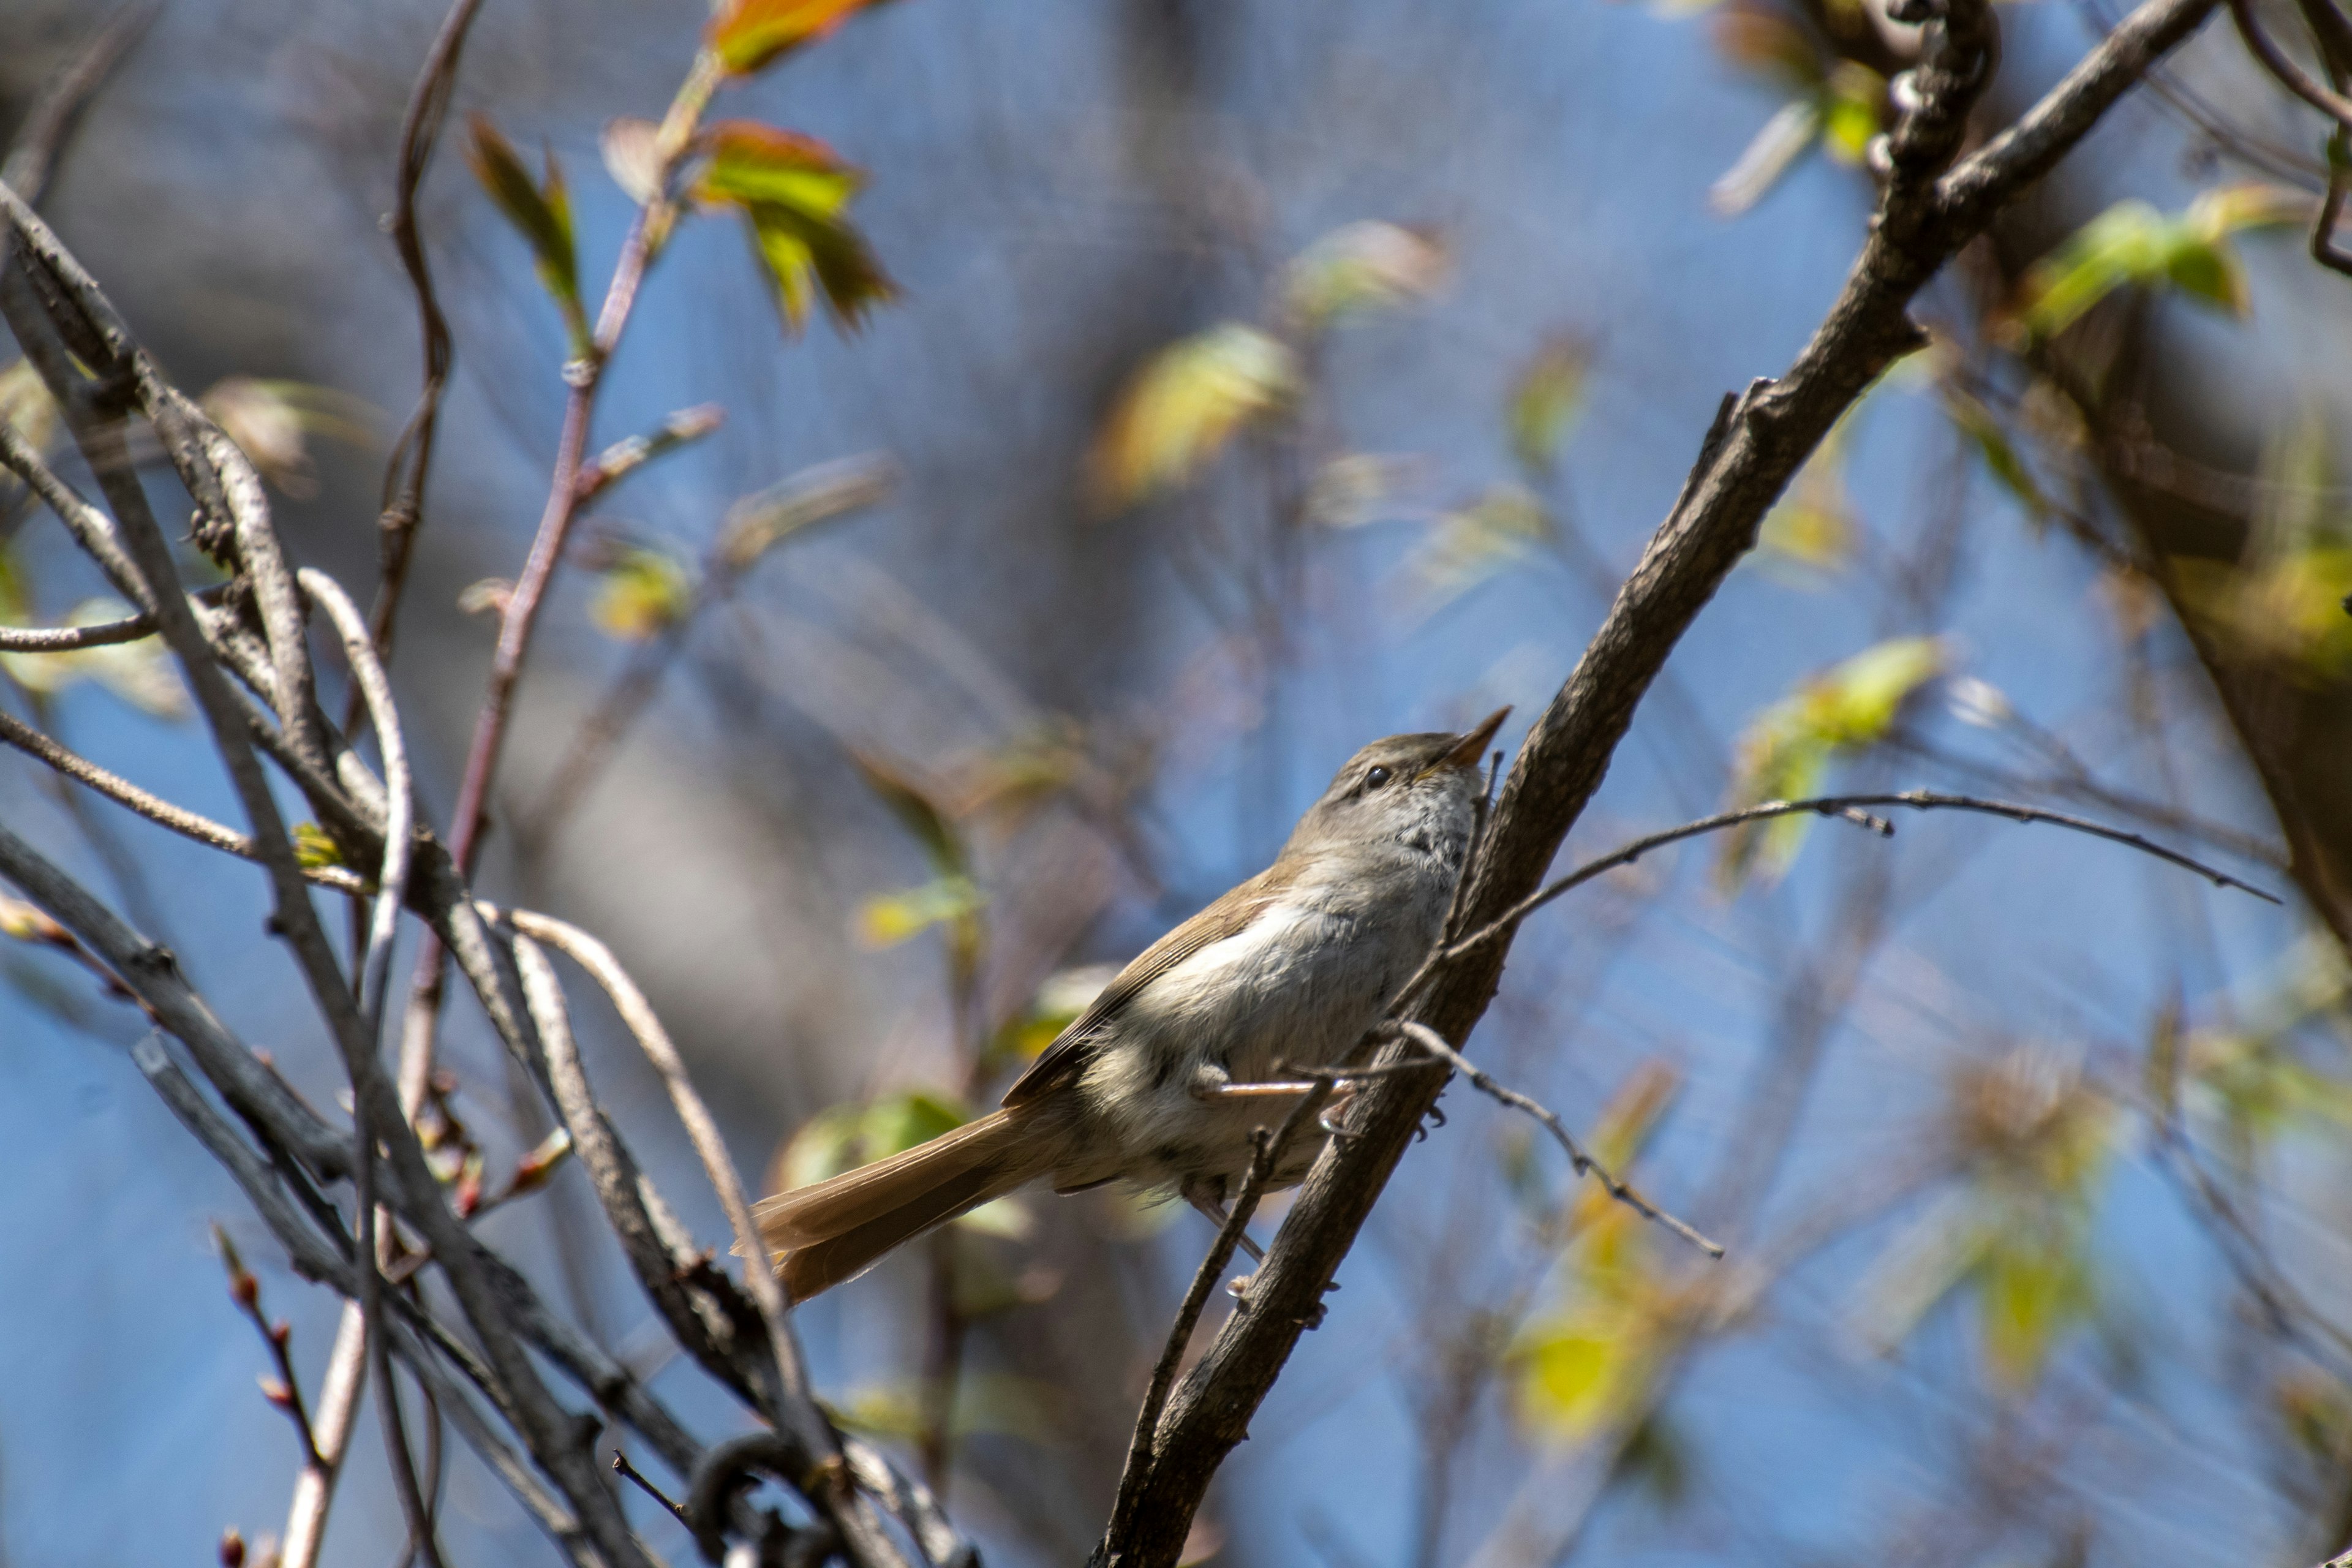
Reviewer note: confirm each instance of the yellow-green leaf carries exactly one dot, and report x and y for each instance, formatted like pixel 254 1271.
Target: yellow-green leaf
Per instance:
pixel 888 919
pixel 1362 267
pixel 1785 751
pixel 792 191
pixel 315 847
pixel 2001 458
pixel 1059 1000
pixel 2132 244
pixel 1812 526
pixel 844 1137
pixel 2031 1288
pixel 1546 398
pixel 642 593
pixel 1852 109
pixel 1185 405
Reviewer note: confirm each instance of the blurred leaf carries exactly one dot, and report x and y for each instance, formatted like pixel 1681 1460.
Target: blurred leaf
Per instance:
pixel 632 151
pixel 987 1403
pixel 27 406
pixel 751 34
pixel 888 919
pixel 1546 399
pixel 1059 1000
pixel 2001 458
pixel 640 594
pixel 541 211
pixel 21 921
pixel 2282 602
pixel 1465 548
pixel 1654 1458
pixel 1812 525
pixel 269 419
pixel 1183 406
pixel 847 1136
pixel 315 847
pixel 487 597
pixel 142 673
pixel 919 810
pixel 1356 488
pixel 1785 751
pixel 1766 41
pixel 759 523
pixel 1853 110
pixel 1366 266
pixel 1772 152
pixel 2133 244
pixel 2031 1288
pixel 792 190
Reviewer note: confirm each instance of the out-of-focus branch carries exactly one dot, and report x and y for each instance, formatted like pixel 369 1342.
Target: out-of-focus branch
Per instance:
pixel 41 136
pixel 412 455
pixel 826 1480
pixel 1760 439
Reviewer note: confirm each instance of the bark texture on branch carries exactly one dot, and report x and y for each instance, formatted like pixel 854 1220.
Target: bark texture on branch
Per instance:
pixel 1760 439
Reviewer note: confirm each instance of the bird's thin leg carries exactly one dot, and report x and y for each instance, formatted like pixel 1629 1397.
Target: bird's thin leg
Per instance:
pixel 1198 1194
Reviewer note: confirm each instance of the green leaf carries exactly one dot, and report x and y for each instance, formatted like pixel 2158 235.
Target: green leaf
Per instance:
pixel 541 212
pixel 2000 456
pixel 1184 404
pixel 640 594
pixel 2132 244
pixel 2031 1288
pixel 1058 1000
pixel 315 847
pixel 1812 526
pixel 1786 751
pixel 759 523
pixel 1366 266
pixel 888 919
pixel 843 1137
pixel 748 35
pixel 1546 399
pixel 1854 107
pixel 792 190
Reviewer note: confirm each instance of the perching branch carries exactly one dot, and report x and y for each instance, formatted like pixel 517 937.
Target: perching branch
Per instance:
pixel 1930 210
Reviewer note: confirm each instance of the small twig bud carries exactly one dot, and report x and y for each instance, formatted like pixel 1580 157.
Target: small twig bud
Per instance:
pixel 232 1548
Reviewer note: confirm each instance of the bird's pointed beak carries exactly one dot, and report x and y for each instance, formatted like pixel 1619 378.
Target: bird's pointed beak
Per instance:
pixel 1472 746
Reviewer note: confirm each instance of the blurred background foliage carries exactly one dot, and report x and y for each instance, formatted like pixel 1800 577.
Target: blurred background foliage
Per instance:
pixel 1104 417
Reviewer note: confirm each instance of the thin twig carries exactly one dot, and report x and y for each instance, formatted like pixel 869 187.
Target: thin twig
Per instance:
pixel 860 1527
pixel 285 1391
pixel 1266 1150
pixel 375 983
pixel 1847 806
pixel 412 455
pixel 41 135
pixel 1429 1041
pixel 630 1473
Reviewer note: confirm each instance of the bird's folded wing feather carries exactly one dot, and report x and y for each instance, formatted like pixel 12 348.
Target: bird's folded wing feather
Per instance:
pixel 1066 1057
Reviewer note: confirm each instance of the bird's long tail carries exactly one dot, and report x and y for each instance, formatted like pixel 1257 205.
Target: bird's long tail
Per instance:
pixel 821 1236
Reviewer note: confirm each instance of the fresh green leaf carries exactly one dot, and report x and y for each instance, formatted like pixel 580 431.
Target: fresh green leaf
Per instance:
pixel 1786 751
pixel 2001 458
pixel 844 1137
pixel 541 211
pixel 1853 110
pixel 1185 405
pixel 2133 244
pixel 747 35
pixel 1812 526
pixel 792 191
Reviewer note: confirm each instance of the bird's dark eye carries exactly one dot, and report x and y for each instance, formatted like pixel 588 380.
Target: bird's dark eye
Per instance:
pixel 1375 778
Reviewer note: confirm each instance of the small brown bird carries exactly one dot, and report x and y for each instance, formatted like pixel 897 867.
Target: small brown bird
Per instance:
pixel 1162 1080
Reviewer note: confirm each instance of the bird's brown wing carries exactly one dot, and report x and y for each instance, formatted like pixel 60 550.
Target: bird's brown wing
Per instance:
pixel 1067 1057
